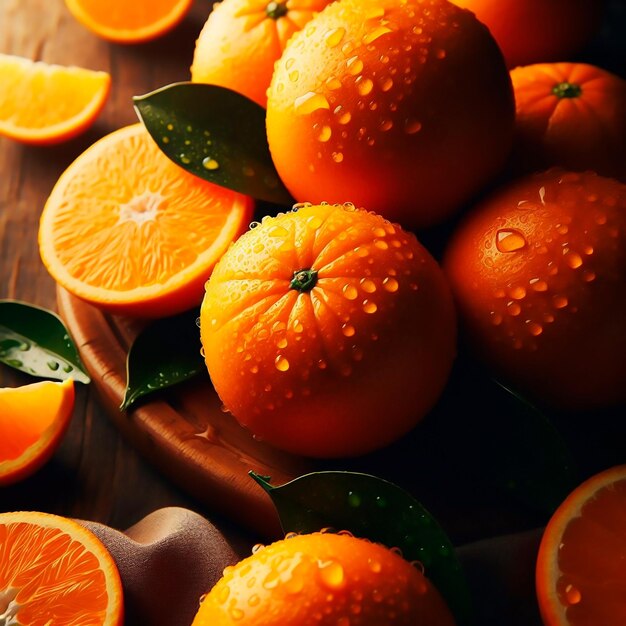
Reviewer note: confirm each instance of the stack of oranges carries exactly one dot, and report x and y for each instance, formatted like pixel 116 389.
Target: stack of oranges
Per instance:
pixel 330 330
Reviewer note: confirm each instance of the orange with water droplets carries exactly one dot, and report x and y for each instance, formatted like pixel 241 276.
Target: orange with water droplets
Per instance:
pixel 55 571
pixel 323 579
pixel 328 331
pixel 242 40
pixel 535 31
pixel 131 232
pixel 572 115
pixel 403 107
pixel 33 419
pixel 580 574
pixel 539 272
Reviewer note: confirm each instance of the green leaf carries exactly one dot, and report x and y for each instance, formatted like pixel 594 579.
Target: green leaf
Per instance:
pixel 165 353
pixel 378 510
pixel 35 341
pixel 216 134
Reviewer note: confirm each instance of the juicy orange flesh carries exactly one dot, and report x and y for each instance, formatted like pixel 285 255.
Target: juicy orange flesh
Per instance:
pixel 131 218
pixel 592 561
pixel 124 15
pixel 22 420
pixel 51 578
pixel 30 88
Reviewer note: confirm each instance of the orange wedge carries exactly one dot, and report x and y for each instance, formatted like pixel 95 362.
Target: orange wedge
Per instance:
pixel 33 419
pixel 53 571
pixel 581 566
pixel 41 103
pixel 129 22
pixel 129 231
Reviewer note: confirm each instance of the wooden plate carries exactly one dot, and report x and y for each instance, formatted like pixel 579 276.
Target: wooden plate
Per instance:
pixel 184 433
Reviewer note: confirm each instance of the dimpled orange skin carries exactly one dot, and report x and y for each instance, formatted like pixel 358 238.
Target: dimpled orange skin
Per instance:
pixel 345 367
pixel 405 108
pixel 240 42
pixel 532 31
pixel 323 580
pixel 539 272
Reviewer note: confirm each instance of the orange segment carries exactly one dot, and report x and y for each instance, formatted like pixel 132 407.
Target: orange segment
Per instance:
pixel 33 419
pixel 128 230
pixel 581 576
pixel 129 22
pixel 42 103
pixel 54 571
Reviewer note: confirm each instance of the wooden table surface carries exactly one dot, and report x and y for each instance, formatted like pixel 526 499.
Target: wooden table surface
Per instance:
pixel 94 474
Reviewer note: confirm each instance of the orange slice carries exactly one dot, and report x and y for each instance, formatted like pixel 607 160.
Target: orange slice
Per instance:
pixel 128 230
pixel 33 419
pixel 53 571
pixel 41 103
pixel 129 22
pixel 581 566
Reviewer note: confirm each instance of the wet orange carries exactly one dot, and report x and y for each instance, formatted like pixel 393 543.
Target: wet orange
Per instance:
pixel 534 31
pixel 323 579
pixel 570 114
pixel 402 107
pixel 33 418
pixel 328 331
pixel 129 22
pixel 538 271
pixel 242 39
pixel 42 103
pixel 129 231
pixel 55 571
pixel 580 567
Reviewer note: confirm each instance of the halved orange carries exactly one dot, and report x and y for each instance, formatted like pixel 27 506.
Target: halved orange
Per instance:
pixel 129 231
pixel 33 419
pixel 42 103
pixel 53 571
pixel 129 22
pixel 581 566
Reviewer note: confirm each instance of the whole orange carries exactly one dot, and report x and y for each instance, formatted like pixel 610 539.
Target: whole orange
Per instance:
pixel 323 579
pixel 532 31
pixel 403 107
pixel 539 273
pixel 242 39
pixel 328 331
pixel 570 114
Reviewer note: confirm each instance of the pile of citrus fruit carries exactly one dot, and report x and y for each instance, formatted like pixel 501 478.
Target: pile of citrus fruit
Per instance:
pixel 329 330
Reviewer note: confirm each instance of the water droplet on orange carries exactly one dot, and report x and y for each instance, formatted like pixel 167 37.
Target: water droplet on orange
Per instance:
pixel 354 65
pixel 412 126
pixel 348 330
pixel 510 240
pixel 278 231
pixel 589 276
pixel 376 34
pixel 440 54
pixel 369 306
pixel 368 285
pixel 390 284
pixel 375 566
pixel 331 574
pixel 560 302
pixel 333 37
pixel 333 83
pixel 325 134
pixel 364 85
pixel 385 125
pixel 518 293
pixel 513 308
pixel 236 613
pixel 309 102
pixel 387 84
pixel 293 76
pixel 538 284
pixel 572 595
pixel 337 157
pixel 535 329
pixel 574 260
pixel 350 292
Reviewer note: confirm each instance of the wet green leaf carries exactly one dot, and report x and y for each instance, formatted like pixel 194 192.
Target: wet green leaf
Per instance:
pixel 165 353
pixel 35 341
pixel 216 134
pixel 378 510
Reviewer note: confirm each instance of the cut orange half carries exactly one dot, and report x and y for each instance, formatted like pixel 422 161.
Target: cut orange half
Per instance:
pixel 53 571
pixel 129 231
pixel 41 103
pixel 129 22
pixel 33 419
pixel 581 566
